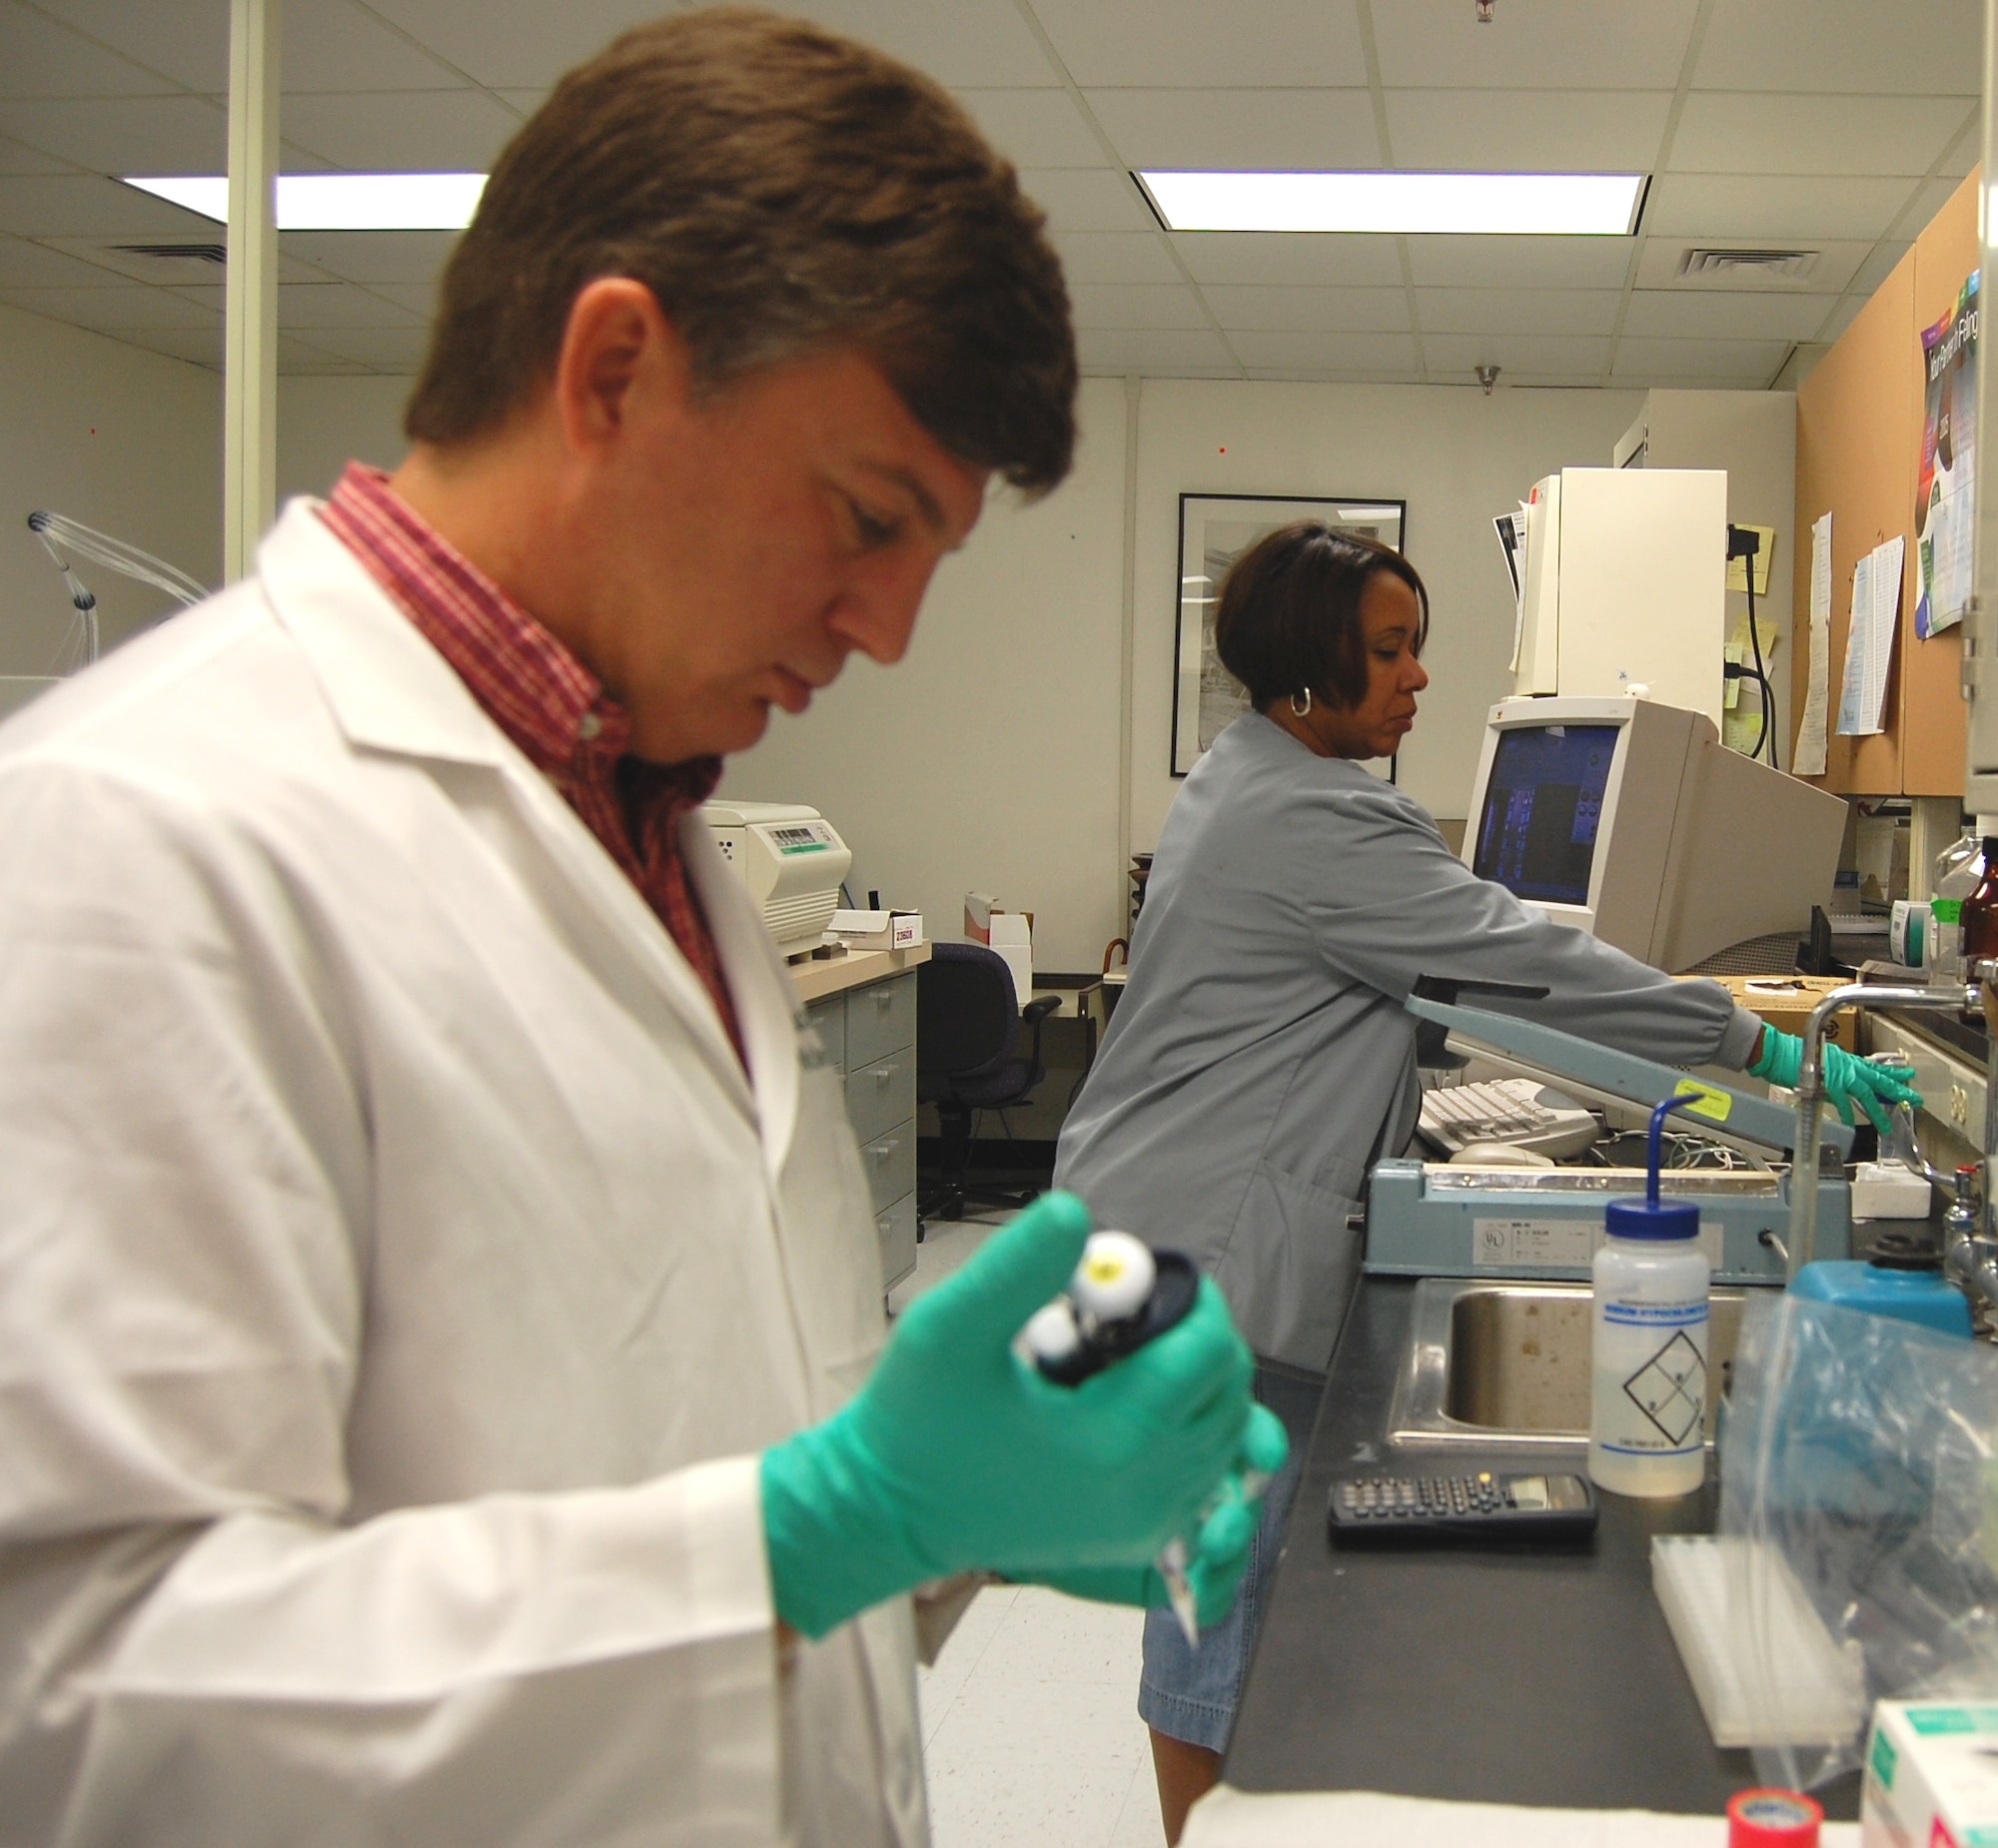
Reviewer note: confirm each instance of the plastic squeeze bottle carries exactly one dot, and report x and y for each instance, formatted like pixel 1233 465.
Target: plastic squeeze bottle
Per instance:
pixel 1647 1403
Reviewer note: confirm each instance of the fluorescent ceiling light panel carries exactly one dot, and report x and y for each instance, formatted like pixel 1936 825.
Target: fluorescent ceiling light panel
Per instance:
pixel 340 201
pixel 1603 205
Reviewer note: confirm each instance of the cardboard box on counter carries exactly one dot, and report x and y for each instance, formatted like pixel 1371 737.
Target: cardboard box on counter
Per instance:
pixel 1785 1002
pixel 1931 1775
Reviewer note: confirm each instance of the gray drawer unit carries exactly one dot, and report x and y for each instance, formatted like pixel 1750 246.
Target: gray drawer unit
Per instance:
pixel 882 1095
pixel 880 1019
pixel 896 1230
pixel 890 1161
pixel 829 1018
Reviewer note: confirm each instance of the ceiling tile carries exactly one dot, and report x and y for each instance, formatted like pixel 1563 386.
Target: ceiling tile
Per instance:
pixel 167 272
pixel 413 256
pixel 1712 206
pixel 449 131
pixel 1336 353
pixel 41 57
pixel 1841 318
pixel 1558 131
pixel 1289 256
pixel 1519 262
pixel 35 265
pixel 1857 46
pixel 1242 130
pixel 1720 362
pixel 1034 127
pixel 1876 268
pixel 17 157
pixel 311 306
pixel 966 42
pixel 1308 310
pixel 335 45
pixel 186 40
pixel 1162 351
pixel 1814 134
pixel 1544 45
pixel 1305 374
pixel 1116 257
pixel 400 348
pixel 119 305
pixel 1658 266
pixel 1928 198
pixel 1518 310
pixel 525 101
pixel 419 298
pixel 1281 43
pixel 1726 315
pixel 199 346
pixel 1076 198
pixel 87 206
pixel 1566 356
pixel 1136 305
pixel 141 134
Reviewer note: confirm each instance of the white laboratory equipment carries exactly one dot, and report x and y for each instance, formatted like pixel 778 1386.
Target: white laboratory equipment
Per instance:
pixel 792 861
pixel 1625 586
pixel 1627 818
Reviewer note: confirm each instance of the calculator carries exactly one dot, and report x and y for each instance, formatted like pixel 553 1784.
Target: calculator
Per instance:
pixel 1479 1504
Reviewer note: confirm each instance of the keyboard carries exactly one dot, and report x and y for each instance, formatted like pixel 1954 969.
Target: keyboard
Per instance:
pixel 1520 1110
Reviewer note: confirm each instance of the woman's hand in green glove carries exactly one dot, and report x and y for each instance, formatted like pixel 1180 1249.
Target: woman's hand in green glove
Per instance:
pixel 1847 1081
pixel 957 1454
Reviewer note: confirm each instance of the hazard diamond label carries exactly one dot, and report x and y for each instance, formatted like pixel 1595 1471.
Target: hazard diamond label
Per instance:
pixel 1670 1389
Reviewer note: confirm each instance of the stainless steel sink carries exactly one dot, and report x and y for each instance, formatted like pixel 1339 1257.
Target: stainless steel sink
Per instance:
pixel 1498 1363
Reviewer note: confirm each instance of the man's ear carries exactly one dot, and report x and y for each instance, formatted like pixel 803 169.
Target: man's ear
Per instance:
pixel 617 344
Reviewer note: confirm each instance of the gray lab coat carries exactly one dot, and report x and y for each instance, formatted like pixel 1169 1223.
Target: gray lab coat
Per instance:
pixel 1260 1060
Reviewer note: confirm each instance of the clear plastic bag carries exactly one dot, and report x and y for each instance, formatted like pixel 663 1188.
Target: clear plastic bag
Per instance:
pixel 1857 1461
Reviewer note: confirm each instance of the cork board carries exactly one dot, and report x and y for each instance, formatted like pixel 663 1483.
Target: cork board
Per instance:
pixel 1858 437
pixel 1932 710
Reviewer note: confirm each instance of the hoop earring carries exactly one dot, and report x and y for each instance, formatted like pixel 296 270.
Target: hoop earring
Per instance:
pixel 1302 712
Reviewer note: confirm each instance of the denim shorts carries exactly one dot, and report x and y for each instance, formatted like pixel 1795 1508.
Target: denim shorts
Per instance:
pixel 1190 1695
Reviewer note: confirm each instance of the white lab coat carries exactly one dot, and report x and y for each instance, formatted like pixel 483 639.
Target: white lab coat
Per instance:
pixel 399 1275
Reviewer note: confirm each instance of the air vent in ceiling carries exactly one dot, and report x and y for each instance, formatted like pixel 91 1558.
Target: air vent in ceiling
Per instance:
pixel 1737 266
pixel 177 252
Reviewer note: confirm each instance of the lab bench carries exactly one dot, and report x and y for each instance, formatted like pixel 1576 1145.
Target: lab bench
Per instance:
pixel 1540 1679
pixel 863 1006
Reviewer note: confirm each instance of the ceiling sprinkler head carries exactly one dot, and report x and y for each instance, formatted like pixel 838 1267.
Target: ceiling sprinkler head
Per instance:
pixel 1484 12
pixel 1487 377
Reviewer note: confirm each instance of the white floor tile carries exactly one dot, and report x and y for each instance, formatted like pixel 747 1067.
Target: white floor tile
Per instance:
pixel 1049 1637
pixel 1137 1825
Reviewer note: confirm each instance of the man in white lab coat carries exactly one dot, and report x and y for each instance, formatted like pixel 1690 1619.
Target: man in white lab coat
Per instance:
pixel 443 1394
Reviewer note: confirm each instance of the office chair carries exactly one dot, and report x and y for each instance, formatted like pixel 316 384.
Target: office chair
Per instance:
pixel 967 1032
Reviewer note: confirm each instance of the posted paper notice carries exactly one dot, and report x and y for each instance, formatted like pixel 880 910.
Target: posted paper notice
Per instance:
pixel 1869 643
pixel 1817 695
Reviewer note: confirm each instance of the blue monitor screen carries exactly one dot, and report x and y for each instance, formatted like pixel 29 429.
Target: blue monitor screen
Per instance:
pixel 1542 805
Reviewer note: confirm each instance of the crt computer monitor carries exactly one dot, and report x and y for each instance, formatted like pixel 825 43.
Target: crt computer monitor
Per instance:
pixel 1630 820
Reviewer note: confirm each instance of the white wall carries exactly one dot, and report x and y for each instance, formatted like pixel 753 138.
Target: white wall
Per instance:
pixel 121 439
pixel 1455 456
pixel 324 424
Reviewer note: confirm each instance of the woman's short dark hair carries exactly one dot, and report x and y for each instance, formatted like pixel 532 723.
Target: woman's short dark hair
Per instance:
pixel 1288 614
pixel 783 192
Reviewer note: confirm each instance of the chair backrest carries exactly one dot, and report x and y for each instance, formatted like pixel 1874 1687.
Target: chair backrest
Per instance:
pixel 967 1015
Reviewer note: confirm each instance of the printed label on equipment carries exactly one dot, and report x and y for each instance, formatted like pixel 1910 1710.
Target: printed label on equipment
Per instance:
pixel 1708 1101
pixel 1497 1243
pixel 1500 1243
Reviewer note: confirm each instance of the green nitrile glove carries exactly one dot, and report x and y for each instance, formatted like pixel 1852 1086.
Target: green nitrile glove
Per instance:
pixel 957 1454
pixel 1847 1081
pixel 1222 1553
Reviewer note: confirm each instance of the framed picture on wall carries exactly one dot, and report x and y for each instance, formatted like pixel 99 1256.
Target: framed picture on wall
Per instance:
pixel 1215 531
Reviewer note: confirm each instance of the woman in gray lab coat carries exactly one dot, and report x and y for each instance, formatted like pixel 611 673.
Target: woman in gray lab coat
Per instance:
pixel 1261 1060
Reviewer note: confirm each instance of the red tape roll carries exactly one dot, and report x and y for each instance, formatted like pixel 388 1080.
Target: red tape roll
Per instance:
pixel 1772 1819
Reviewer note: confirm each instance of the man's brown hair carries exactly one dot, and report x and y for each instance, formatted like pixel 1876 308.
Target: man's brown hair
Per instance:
pixel 781 190
pixel 1287 617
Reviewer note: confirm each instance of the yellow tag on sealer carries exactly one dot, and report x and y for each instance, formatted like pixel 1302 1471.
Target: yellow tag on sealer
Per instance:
pixel 1710 1101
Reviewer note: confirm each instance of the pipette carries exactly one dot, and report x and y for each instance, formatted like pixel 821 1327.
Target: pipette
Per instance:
pixel 1123 1295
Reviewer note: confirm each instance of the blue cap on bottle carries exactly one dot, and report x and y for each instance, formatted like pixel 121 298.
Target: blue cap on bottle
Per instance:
pixel 1652 1218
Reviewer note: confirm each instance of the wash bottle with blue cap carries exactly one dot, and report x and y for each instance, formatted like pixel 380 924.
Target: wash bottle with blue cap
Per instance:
pixel 1648 1405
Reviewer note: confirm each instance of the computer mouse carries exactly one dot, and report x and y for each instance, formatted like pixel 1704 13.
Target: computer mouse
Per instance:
pixel 1498 1155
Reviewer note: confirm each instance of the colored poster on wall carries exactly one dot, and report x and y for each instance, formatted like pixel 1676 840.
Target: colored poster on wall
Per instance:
pixel 1945 512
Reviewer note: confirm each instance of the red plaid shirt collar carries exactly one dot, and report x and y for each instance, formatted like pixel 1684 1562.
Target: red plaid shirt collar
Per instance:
pixel 547 702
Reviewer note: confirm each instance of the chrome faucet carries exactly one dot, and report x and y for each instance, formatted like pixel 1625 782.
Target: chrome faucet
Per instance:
pixel 1969 1248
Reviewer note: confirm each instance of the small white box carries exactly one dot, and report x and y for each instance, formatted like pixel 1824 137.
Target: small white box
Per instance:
pixel 1011 934
pixel 1886 1190
pixel 1931 1776
pixel 876 930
